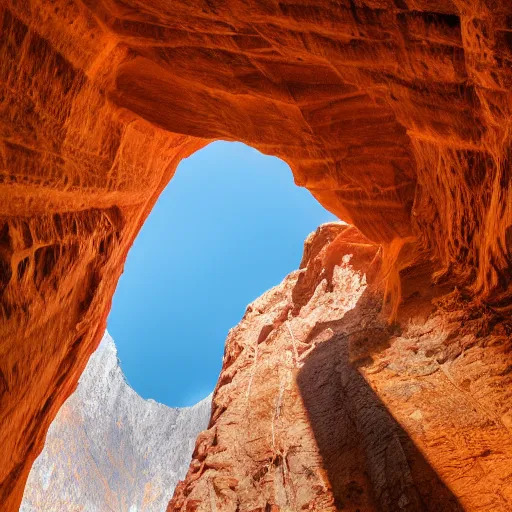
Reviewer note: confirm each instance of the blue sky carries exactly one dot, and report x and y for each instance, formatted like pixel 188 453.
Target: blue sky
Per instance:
pixel 229 226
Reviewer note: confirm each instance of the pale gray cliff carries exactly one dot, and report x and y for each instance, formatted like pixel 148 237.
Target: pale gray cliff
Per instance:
pixel 109 449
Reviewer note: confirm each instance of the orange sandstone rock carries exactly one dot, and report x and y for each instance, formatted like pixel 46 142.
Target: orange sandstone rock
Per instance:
pixel 395 114
pixel 323 406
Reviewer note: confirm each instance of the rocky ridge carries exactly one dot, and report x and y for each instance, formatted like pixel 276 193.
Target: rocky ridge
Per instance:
pixel 109 449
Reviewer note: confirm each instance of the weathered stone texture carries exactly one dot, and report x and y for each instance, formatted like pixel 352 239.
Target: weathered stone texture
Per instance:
pixel 395 114
pixel 109 449
pixel 321 405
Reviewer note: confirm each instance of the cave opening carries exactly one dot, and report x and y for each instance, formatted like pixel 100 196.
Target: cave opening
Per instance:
pixel 229 226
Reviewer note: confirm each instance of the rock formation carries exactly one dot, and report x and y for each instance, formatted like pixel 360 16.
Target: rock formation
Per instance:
pixel 109 449
pixel 395 114
pixel 321 405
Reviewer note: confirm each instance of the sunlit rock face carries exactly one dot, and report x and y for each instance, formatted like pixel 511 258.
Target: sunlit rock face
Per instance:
pixel 395 114
pixel 109 449
pixel 321 405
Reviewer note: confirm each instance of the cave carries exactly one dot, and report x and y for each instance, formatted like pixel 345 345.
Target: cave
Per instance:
pixel 395 115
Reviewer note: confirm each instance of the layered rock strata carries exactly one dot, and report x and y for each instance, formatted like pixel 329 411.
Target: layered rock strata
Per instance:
pixel 395 114
pixel 321 405
pixel 109 449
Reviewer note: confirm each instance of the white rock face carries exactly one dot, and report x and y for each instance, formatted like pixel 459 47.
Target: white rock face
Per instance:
pixel 108 449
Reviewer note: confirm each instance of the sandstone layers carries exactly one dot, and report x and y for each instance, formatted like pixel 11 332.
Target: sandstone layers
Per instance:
pixel 395 114
pixel 109 449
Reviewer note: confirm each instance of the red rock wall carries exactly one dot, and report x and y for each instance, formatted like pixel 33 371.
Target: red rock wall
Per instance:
pixel 323 406
pixel 394 114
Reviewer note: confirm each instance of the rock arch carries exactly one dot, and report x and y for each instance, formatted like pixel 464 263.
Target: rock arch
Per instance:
pixel 394 114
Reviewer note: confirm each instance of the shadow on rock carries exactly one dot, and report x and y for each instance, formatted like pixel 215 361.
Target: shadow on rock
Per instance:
pixel 370 461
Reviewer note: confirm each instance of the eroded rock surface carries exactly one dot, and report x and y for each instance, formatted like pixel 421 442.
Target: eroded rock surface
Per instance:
pixel 109 449
pixel 321 405
pixel 395 114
